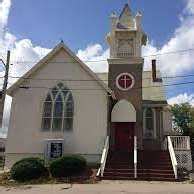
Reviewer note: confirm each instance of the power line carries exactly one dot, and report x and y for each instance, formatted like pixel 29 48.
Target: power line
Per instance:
pixel 103 60
pixel 89 89
pixel 93 89
pixel 85 80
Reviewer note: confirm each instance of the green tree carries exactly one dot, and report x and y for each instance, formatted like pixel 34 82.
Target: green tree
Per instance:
pixel 192 122
pixel 183 118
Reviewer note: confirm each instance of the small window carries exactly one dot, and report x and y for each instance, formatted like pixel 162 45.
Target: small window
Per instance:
pixel 149 123
pixel 58 109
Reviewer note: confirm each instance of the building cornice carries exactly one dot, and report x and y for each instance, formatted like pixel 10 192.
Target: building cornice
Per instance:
pixel 130 60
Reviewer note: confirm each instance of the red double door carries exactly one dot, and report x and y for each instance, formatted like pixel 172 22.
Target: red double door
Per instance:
pixel 124 136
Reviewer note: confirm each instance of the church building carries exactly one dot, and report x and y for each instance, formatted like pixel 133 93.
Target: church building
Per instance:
pixel 118 119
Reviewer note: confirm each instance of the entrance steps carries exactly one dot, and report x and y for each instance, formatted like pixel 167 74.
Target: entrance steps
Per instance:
pixel 152 165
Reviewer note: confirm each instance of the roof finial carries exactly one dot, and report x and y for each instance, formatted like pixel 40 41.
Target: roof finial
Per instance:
pixel 61 40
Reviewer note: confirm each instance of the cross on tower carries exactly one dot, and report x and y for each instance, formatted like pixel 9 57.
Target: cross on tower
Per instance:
pixel 125 81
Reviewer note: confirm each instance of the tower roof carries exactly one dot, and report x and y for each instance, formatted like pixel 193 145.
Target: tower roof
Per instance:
pixel 126 11
pixel 126 18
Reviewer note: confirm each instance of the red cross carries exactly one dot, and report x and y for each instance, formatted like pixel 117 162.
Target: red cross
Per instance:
pixel 125 81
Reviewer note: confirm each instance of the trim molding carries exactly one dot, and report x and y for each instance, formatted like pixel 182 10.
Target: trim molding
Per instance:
pixel 129 60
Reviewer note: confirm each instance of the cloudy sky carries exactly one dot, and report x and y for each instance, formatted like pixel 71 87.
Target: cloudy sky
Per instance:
pixel 30 28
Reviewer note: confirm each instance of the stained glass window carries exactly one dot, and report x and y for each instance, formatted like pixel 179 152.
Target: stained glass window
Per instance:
pixel 58 109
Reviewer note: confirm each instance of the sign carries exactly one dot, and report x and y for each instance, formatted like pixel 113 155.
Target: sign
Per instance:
pixel 56 150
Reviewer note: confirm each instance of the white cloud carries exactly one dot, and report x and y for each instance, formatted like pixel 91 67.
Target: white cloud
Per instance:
pixel 182 39
pixel 25 55
pixel 97 55
pixel 21 50
pixel 4 13
pixel 147 51
pixel 182 98
pixel 171 64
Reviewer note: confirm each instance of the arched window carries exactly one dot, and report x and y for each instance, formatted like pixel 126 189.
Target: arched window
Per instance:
pixel 58 109
pixel 149 123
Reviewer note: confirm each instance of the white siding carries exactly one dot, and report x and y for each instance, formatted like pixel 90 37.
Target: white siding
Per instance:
pixel 90 117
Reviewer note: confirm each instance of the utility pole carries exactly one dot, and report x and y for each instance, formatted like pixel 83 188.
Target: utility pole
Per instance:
pixel 4 89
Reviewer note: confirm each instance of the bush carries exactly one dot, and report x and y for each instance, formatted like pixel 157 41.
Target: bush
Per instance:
pixel 28 169
pixel 67 166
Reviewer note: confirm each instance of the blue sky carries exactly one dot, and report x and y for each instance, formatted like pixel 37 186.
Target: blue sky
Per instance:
pixel 80 23
pixel 30 28
pixel 86 22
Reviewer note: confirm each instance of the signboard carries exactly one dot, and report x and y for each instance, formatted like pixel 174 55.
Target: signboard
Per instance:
pixel 56 150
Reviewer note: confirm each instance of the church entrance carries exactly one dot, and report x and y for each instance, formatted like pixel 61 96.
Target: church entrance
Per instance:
pixel 124 137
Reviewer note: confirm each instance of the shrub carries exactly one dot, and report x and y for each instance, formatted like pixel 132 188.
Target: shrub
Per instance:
pixel 28 169
pixel 67 166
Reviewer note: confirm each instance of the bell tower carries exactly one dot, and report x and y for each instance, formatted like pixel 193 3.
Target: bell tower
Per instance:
pixel 125 40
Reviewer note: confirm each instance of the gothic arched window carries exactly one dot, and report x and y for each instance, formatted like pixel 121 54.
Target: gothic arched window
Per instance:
pixel 58 109
pixel 149 123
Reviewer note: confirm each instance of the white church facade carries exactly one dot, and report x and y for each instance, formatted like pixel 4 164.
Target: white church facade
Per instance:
pixel 62 107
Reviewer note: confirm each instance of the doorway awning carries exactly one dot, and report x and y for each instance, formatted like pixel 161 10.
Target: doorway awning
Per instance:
pixel 123 111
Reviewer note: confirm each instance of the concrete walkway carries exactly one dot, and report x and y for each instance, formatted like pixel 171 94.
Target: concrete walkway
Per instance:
pixel 105 187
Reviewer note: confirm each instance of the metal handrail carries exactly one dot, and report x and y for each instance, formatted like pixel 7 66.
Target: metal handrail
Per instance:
pixel 103 158
pixel 172 156
pixel 135 157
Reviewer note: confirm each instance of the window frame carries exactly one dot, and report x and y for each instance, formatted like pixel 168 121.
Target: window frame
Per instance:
pixel 154 135
pixel 66 96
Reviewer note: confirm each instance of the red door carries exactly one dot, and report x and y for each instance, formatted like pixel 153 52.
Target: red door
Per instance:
pixel 124 136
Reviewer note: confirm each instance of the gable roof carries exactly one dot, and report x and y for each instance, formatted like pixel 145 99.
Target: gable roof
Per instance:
pixel 48 57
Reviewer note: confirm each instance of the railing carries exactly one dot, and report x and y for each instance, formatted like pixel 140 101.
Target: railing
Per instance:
pixel 124 54
pixel 172 156
pixel 181 142
pixel 103 158
pixel 135 157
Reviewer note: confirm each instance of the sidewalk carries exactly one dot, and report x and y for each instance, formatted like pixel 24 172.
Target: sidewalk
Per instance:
pixel 105 187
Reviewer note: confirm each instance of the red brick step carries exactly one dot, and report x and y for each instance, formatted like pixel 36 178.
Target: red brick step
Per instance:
pixel 152 165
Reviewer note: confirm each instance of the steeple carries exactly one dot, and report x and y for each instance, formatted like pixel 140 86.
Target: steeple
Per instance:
pixel 126 19
pixel 126 37
pixel 126 11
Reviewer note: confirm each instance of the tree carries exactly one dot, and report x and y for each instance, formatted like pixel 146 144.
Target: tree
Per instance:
pixel 192 122
pixel 183 118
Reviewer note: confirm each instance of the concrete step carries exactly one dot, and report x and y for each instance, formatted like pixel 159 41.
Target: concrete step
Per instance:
pixel 139 178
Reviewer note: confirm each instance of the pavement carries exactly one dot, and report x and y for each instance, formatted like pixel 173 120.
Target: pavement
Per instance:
pixel 104 187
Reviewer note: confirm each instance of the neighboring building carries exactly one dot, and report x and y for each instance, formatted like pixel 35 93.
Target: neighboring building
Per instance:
pixel 2 102
pixel 2 146
pixel 61 107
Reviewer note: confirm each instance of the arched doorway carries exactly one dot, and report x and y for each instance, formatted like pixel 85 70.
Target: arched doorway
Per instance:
pixel 123 118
